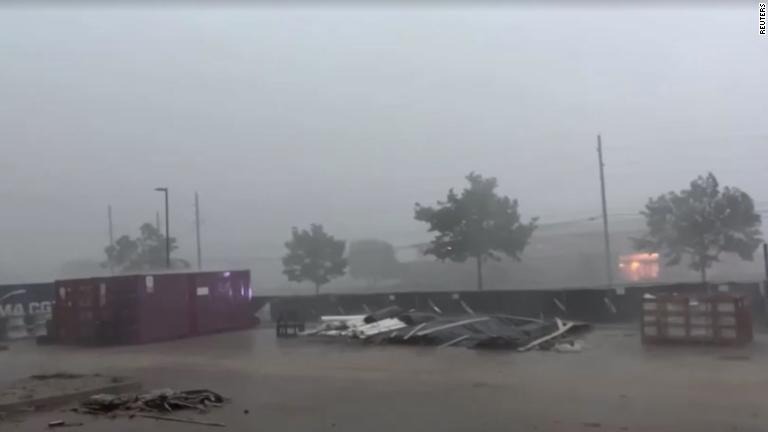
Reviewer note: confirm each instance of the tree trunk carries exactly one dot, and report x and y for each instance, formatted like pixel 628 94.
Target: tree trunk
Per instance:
pixel 704 279
pixel 479 273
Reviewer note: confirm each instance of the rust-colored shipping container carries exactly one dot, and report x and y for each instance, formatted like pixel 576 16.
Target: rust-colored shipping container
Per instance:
pixel 220 301
pixel 76 310
pixel 723 319
pixel 151 307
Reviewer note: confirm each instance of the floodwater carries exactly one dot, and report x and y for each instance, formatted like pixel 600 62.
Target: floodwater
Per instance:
pixel 315 385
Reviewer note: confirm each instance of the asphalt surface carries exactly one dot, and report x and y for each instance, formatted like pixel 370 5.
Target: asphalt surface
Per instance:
pixel 614 384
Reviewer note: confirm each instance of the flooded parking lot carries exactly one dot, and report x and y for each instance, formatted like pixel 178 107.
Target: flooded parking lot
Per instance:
pixel 303 384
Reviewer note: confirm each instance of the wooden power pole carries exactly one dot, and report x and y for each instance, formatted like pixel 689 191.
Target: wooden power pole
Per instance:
pixel 111 237
pixel 608 265
pixel 197 233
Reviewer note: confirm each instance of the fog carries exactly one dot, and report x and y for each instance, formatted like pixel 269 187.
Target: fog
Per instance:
pixel 346 117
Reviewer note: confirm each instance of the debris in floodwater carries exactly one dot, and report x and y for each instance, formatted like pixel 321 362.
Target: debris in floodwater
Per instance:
pixel 392 325
pixel 62 423
pixel 57 375
pixel 159 401
pixel 573 346
pixel 387 312
pixel 181 420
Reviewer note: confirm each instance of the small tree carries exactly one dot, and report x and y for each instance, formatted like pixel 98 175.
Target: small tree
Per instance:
pixel 372 260
pixel 476 224
pixel 701 222
pixel 146 252
pixel 122 254
pixel 313 256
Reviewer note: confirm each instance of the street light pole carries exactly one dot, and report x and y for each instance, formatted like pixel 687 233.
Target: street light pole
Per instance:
pixel 167 228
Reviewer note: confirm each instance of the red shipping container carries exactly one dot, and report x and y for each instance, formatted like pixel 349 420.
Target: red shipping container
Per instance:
pixel 77 310
pixel 221 301
pixel 149 308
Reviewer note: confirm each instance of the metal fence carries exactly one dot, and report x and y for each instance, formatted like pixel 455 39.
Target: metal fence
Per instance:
pixel 588 304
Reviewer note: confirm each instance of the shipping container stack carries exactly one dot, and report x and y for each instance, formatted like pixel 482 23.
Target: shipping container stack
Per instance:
pixel 147 308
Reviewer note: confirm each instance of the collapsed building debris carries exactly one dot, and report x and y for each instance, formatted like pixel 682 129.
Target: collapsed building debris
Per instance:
pixel 156 401
pixel 392 325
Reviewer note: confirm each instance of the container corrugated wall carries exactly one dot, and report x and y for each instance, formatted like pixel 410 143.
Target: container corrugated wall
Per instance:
pixel 220 301
pixel 78 310
pixel 163 307
pixel 149 308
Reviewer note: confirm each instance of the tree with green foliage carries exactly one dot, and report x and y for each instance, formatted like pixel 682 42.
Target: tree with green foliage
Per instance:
pixel 314 256
pixel 372 260
pixel 143 253
pixel 477 224
pixel 701 222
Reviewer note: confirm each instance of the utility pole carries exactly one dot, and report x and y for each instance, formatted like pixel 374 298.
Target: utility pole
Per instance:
pixel 111 237
pixel 164 190
pixel 608 266
pixel 197 233
pixel 765 263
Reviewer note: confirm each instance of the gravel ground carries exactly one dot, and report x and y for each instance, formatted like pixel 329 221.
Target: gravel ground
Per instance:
pixel 305 385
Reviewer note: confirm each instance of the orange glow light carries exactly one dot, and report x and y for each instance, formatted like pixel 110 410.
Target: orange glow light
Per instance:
pixel 639 266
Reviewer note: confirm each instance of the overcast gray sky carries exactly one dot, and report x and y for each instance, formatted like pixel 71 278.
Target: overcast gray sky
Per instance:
pixel 282 117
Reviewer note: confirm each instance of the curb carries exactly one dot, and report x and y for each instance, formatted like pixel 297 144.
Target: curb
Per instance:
pixel 62 399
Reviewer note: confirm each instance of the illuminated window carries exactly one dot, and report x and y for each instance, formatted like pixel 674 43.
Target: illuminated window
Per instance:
pixel 639 267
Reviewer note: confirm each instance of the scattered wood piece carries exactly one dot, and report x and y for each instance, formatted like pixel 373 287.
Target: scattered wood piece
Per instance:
pixel 562 328
pixel 412 332
pixel 450 325
pixel 455 341
pixel 86 411
pixel 181 420
pixel 62 423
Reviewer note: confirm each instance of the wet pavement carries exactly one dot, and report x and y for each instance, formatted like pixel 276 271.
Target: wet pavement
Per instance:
pixel 313 385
